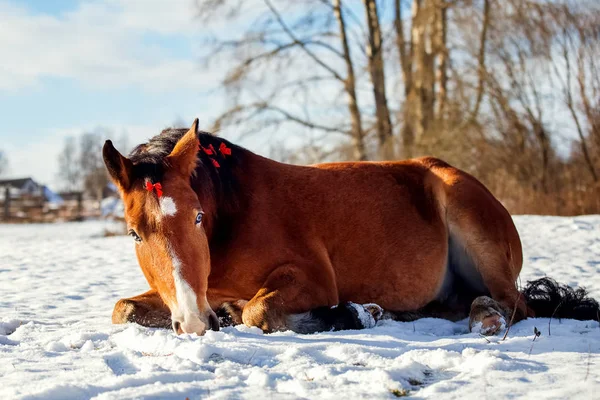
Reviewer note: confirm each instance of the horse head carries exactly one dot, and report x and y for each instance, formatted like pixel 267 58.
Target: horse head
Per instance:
pixel 165 218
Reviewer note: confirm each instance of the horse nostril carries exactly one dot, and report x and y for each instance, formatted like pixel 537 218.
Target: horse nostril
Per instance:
pixel 176 326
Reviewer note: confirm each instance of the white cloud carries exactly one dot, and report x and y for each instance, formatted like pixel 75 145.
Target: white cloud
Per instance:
pixel 99 44
pixel 38 158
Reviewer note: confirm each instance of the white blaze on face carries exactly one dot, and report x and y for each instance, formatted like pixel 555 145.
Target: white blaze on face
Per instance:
pixel 186 310
pixel 167 206
pixel 186 297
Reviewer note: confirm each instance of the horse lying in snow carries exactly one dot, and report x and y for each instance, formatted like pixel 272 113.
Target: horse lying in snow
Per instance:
pixel 303 247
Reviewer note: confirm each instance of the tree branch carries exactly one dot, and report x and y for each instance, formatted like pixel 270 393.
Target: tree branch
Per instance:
pixel 292 36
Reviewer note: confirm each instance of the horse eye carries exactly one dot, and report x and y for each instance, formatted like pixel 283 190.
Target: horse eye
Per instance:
pixel 199 217
pixel 134 235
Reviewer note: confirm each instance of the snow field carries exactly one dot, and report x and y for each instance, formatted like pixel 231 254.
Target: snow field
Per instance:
pixel 58 285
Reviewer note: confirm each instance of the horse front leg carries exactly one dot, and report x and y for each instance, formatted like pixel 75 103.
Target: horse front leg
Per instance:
pixel 289 299
pixel 147 309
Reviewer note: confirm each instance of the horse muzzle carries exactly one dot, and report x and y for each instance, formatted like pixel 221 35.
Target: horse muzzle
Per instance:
pixel 197 324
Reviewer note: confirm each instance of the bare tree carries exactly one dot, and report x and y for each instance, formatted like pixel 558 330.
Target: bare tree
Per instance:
pixel 289 71
pixel 376 69
pixel 93 171
pixel 69 166
pixel 350 86
pixel 424 63
pixel 481 68
pixel 440 37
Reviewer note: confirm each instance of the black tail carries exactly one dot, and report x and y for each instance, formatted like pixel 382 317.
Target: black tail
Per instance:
pixel 547 298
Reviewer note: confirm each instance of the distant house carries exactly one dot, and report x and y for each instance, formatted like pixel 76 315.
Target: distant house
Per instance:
pixel 27 189
pixel 29 201
pixel 19 187
pixel 23 198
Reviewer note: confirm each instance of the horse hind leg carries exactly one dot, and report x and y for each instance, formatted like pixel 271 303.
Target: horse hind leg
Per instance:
pixel 488 260
pixel 486 273
pixel 486 315
pixel 462 284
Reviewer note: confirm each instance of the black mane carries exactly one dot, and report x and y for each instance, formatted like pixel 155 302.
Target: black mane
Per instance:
pixel 149 162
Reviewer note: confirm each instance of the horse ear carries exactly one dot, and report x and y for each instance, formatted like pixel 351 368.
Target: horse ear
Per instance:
pixel 184 156
pixel 118 166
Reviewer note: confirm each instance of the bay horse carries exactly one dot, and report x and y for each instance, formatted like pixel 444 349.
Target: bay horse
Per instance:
pixel 313 248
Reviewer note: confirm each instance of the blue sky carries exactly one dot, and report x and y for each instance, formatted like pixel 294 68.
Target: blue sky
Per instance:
pixel 71 66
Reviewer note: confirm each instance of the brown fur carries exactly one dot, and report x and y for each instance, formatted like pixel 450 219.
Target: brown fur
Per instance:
pixel 306 237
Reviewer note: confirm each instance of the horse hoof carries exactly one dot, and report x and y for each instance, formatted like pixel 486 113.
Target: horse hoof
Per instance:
pixel 124 312
pixel 374 310
pixel 489 325
pixel 486 316
pixel 367 314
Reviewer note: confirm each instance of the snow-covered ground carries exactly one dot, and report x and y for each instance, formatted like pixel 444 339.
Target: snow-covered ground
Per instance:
pixel 58 285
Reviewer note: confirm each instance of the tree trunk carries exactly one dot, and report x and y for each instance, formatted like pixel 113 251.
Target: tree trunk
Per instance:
pixel 425 69
pixel 6 203
pixel 374 54
pixel 420 102
pixel 481 69
pixel 441 77
pixel 544 142
pixel 350 88
pixel 407 71
pixel 405 61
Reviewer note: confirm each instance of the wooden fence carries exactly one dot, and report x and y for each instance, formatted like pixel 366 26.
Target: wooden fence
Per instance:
pixel 34 208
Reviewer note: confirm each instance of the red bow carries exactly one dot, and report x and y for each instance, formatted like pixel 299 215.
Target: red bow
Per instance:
pixel 226 151
pixel 210 150
pixel 150 187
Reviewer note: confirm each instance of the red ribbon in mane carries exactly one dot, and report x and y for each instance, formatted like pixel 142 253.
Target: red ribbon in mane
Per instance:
pixel 211 152
pixel 150 187
pixel 226 151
